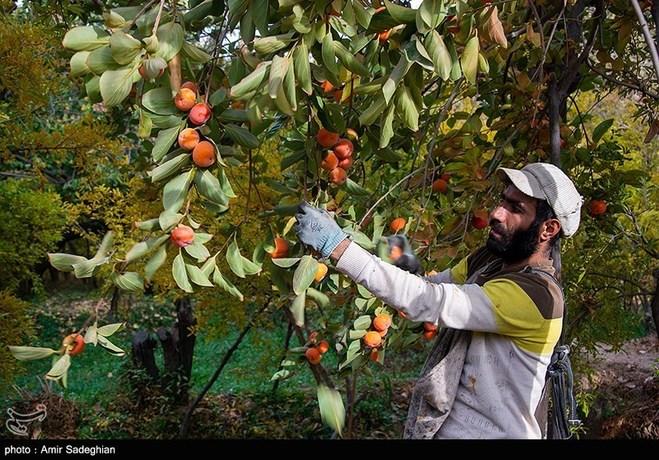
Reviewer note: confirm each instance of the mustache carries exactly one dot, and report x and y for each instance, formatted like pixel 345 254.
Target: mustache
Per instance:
pixel 497 227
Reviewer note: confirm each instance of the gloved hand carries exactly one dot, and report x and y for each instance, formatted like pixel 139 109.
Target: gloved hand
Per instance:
pixel 317 229
pixel 402 255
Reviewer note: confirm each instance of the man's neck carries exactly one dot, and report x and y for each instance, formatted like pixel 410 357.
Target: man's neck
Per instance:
pixel 537 259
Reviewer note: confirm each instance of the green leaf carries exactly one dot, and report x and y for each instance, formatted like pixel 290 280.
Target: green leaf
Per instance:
pixel 226 185
pixel 372 113
pixel 176 190
pixel 289 88
pixel 78 63
pixel 235 115
pixel 85 38
pixel 235 259
pixel 145 125
pixel 349 61
pixel 332 411
pixel 170 40
pixel 155 262
pixel 439 54
pixel 297 308
pixel 387 132
pixel 242 136
pixel 59 368
pixel 30 353
pixel 363 15
pixel 407 109
pixel 359 238
pixel 278 70
pixel 429 15
pixel 225 284
pixel 170 167
pixel 469 60
pixel 352 353
pixel 249 267
pixel 304 274
pixel 319 297
pixel 100 60
pixel 251 82
pixel 456 70
pixel 143 247
pixel 109 329
pixel 601 129
pixel 198 251
pixel 179 273
pixel 302 67
pixel 109 346
pixel 197 276
pixel 129 281
pixel 124 47
pixel 93 90
pixel 397 74
pixel 355 189
pixel 401 14
pixel 115 85
pixel 165 139
pixel 168 219
pixel 329 54
pixel 281 375
pixel 150 225
pixel 91 335
pixel 64 262
pixel 195 54
pixel 365 293
pixel 272 44
pixel 160 101
pixel 362 323
pixel 286 262
pixel 209 187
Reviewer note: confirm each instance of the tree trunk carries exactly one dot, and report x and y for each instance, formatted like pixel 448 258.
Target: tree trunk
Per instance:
pixel 144 353
pixel 655 303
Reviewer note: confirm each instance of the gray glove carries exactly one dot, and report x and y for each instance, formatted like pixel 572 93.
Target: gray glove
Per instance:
pixel 317 229
pixel 402 255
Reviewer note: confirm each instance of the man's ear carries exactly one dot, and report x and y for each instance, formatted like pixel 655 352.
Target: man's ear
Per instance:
pixel 550 229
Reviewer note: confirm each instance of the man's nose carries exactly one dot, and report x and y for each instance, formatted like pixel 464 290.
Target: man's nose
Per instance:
pixel 498 214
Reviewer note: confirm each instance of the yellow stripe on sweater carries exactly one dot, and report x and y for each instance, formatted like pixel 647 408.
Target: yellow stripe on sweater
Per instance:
pixel 517 316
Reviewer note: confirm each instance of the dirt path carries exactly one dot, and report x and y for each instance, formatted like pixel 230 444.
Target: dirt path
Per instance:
pixel 626 383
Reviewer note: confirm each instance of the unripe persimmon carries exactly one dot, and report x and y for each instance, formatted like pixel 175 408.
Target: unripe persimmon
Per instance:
pixel 321 271
pixel 188 138
pixel 313 355
pixel 372 339
pixel 326 138
pixel 203 154
pixel 185 99
pixel 382 322
pixel 330 161
pixel 343 149
pixel 281 248
pixel 199 114
pixel 397 224
pixel 338 176
pixel 182 236
pixel 74 344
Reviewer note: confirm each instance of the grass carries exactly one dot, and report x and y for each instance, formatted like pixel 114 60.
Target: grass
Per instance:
pixel 95 385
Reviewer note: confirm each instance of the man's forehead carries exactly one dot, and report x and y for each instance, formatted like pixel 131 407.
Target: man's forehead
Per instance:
pixel 513 193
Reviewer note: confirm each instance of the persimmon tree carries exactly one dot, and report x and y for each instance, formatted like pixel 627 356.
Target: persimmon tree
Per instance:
pixel 381 113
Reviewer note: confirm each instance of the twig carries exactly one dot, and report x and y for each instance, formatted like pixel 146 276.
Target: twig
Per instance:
pixel 647 36
pixel 157 23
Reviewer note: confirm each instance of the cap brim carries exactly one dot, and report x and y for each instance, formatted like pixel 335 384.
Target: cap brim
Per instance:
pixel 526 183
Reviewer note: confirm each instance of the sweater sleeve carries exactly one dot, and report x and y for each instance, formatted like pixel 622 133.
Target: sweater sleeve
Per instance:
pixel 421 299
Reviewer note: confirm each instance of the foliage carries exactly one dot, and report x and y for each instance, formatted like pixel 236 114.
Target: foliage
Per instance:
pixel 17 328
pixel 31 221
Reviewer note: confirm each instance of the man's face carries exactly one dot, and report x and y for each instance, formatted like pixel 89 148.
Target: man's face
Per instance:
pixel 513 237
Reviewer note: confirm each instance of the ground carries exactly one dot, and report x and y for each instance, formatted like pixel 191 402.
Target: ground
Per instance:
pixel 625 385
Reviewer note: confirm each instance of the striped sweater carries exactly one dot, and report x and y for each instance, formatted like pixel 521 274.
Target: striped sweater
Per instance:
pixel 515 315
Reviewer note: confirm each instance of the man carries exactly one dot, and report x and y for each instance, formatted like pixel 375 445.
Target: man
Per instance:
pixel 500 309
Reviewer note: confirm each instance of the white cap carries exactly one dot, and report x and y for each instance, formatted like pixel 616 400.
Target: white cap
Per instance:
pixel 547 182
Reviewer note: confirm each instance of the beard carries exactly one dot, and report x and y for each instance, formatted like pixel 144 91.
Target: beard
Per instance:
pixel 513 246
